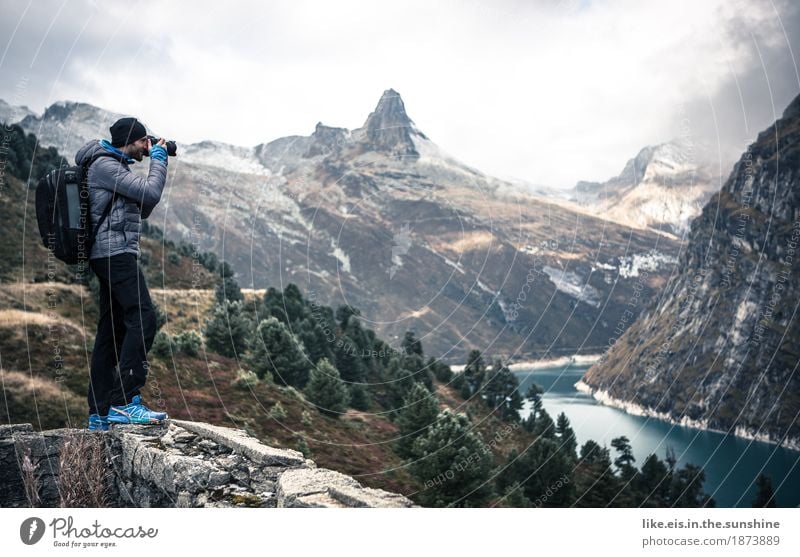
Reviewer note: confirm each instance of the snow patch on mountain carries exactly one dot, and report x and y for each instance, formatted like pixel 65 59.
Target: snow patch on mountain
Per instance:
pixel 224 155
pixel 573 285
pixel 340 254
pixel 631 265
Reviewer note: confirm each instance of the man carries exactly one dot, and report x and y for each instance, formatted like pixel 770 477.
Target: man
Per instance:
pixel 127 324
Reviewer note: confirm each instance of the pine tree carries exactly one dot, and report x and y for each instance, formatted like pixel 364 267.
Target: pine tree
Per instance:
pixel 624 462
pixel 272 305
pixel 227 330
pixel 398 383
pixel 411 345
pixel 765 496
pixel 440 370
pixel 549 474
pixel 228 288
pixel 687 488
pixel 419 410
pixel 316 341
pixel 359 397
pixel 275 350
pixel 475 371
pixel 416 365
pixel 293 303
pixel 595 482
pixel 502 393
pixel 452 463
pixel 461 385
pixel 653 483
pixel 566 436
pixel 349 359
pixel 534 395
pixel 326 389
pixel 544 427
pixel 343 314
pixel 514 497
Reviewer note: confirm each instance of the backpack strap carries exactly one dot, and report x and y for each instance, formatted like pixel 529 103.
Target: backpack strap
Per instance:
pixel 107 209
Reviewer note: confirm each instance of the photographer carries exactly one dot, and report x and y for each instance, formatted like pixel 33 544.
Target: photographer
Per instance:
pixel 127 325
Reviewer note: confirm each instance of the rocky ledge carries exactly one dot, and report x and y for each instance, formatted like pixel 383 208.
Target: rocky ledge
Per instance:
pixel 175 464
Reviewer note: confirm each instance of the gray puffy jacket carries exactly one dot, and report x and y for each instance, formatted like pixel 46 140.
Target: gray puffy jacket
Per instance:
pixel 134 198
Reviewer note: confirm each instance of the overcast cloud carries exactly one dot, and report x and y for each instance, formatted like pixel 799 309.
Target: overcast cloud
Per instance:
pixel 550 92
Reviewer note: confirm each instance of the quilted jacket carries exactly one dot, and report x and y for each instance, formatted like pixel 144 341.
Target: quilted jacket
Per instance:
pixel 133 198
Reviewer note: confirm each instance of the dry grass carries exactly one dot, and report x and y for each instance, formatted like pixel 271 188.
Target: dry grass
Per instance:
pixel 41 288
pixel 185 309
pixel 14 318
pixel 83 474
pixel 29 479
pixel 472 241
pixel 18 383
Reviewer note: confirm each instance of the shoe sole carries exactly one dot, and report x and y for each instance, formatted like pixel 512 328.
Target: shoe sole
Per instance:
pixel 121 417
pixel 139 421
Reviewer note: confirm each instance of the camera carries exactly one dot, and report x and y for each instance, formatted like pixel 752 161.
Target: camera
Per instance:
pixel 171 146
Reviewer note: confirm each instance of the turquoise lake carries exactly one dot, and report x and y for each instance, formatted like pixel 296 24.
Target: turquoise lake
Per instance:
pixel 731 463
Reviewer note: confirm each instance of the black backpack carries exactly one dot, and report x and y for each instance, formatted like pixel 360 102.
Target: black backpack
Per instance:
pixel 63 212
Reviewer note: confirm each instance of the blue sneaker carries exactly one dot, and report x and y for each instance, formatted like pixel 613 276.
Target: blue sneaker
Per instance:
pixel 98 422
pixel 135 413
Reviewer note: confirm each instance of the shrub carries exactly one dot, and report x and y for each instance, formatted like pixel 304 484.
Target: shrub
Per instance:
pixel 327 390
pixel 278 412
pixel 189 342
pixel 163 345
pixel 245 379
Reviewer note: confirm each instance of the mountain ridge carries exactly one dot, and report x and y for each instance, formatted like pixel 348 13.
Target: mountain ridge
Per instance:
pixel 328 210
pixel 734 297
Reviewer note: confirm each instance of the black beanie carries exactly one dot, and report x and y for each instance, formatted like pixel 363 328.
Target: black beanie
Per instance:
pixel 126 130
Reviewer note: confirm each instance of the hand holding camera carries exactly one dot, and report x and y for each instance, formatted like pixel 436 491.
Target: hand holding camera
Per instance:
pixel 170 146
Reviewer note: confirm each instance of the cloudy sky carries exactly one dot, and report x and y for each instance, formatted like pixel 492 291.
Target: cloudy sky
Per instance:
pixel 548 91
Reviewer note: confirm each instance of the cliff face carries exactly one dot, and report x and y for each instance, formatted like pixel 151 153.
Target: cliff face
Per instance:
pixel 720 347
pixel 177 464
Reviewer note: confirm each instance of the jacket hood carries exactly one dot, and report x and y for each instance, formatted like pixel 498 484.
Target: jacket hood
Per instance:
pixel 91 148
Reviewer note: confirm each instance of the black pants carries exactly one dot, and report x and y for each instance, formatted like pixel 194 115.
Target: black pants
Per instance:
pixel 125 333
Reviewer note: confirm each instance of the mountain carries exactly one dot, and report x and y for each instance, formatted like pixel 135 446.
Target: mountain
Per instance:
pixel 720 347
pixel 10 114
pixel 663 187
pixel 47 316
pixel 382 218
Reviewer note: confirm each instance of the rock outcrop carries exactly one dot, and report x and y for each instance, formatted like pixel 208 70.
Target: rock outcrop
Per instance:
pixel 179 464
pixel 721 348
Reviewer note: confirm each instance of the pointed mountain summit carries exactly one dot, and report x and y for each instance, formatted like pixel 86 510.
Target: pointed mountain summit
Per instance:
pixel 389 129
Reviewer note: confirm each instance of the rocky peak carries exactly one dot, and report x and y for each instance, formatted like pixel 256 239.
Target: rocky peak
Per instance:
pixel 67 125
pixel 793 110
pixel 389 129
pixel 326 140
pixel 664 163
